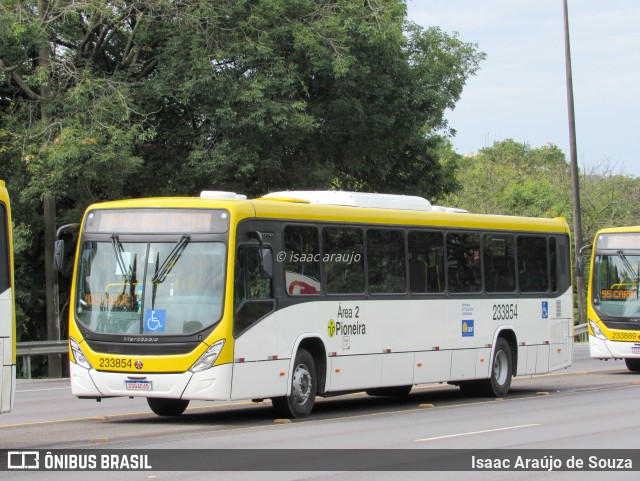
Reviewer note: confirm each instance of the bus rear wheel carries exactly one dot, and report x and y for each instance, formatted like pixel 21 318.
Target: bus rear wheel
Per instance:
pixel 499 381
pixel 167 407
pixel 299 403
pixel 633 364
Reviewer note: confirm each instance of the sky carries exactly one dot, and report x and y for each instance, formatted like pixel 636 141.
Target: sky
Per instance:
pixel 520 91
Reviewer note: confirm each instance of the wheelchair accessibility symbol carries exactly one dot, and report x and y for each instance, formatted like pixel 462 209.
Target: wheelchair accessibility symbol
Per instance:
pixel 545 310
pixel 155 320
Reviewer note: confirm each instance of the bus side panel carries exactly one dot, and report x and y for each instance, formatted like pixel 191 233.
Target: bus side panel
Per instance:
pixel 260 368
pixel 560 333
pixel 463 365
pixel 3 379
pixel 527 360
pixel 483 362
pixel 560 351
pixel 542 362
pixel 432 366
pixel 260 379
pixel 355 372
pixel 397 369
pixel 8 386
pixel 7 355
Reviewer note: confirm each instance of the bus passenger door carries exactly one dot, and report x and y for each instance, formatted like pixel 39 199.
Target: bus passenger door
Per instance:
pixel 257 368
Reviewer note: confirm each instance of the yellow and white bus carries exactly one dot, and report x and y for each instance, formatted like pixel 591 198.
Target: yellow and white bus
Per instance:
pixel 7 306
pixel 613 307
pixel 304 294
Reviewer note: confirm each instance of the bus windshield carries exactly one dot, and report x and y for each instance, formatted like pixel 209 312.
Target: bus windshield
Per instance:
pixel 150 288
pixel 615 284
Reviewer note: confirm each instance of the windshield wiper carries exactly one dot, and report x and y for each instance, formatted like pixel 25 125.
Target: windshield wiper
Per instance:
pixel 171 260
pixel 628 266
pixel 163 271
pixel 118 250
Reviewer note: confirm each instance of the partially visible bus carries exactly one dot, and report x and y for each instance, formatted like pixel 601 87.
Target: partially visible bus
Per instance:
pixel 613 307
pixel 304 294
pixel 7 307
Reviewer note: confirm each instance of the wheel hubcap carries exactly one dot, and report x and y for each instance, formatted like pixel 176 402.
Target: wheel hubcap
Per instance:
pixel 500 368
pixel 301 386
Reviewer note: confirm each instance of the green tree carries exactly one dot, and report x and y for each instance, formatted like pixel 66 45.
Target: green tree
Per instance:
pixel 512 178
pixel 271 95
pixel 103 100
pixel 609 198
pixel 68 127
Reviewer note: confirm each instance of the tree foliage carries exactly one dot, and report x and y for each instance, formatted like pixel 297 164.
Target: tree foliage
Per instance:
pixel 104 100
pixel 609 198
pixel 515 179
pixel 275 95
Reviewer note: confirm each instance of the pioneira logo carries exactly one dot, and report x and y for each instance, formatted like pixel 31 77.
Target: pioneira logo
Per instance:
pixel 342 328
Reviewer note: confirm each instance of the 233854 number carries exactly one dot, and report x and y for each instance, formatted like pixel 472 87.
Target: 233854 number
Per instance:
pixel 505 312
pixel 115 363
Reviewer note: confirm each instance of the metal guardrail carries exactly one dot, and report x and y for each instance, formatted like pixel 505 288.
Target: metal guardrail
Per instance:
pixel 26 350
pixel 579 330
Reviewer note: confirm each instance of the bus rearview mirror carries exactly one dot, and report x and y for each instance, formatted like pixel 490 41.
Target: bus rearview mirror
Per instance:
pixel 580 267
pixel 266 263
pixel 58 255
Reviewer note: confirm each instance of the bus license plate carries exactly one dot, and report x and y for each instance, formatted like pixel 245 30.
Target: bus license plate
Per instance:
pixel 635 349
pixel 138 385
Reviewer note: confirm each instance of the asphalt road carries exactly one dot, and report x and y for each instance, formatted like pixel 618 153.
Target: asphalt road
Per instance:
pixel 591 405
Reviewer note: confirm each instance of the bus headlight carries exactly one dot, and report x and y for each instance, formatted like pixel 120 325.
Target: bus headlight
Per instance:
pixel 78 356
pixel 596 331
pixel 208 358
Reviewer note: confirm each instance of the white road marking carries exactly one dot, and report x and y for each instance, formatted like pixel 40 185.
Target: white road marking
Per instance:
pixel 68 388
pixel 476 432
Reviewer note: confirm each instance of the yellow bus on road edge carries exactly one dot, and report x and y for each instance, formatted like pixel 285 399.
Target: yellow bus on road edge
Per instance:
pixel 7 306
pixel 613 306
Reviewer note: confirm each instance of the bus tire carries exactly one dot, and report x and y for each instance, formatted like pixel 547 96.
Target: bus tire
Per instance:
pixel 304 384
pixel 633 364
pixel 393 391
pixel 499 381
pixel 167 407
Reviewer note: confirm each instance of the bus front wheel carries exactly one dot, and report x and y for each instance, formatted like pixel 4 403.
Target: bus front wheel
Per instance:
pixel 167 407
pixel 499 381
pixel 300 401
pixel 633 365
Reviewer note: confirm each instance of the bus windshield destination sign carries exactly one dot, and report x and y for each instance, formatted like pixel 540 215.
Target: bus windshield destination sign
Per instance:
pixel 619 241
pixel 157 221
pixel 618 294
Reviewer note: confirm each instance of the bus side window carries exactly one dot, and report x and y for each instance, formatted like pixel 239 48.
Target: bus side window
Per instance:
pixel 553 264
pixel 532 264
pixel 426 262
pixel 499 263
pixel 386 261
pixel 253 296
pixel 343 261
pixel 302 261
pixel 463 257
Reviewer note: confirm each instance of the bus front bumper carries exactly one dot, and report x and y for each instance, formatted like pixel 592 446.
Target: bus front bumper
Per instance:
pixel 212 384
pixel 601 349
